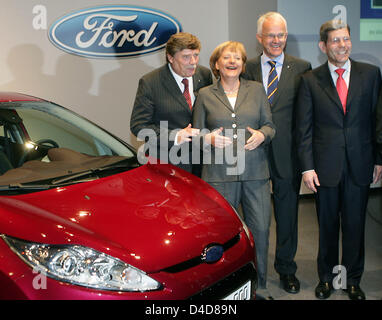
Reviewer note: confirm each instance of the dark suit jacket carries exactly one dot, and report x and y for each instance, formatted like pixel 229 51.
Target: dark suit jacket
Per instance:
pixel 282 151
pixel 379 125
pixel 326 137
pixel 159 99
pixel 213 110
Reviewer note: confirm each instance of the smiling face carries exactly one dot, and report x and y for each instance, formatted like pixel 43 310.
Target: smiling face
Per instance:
pixel 337 47
pixel 273 37
pixel 230 64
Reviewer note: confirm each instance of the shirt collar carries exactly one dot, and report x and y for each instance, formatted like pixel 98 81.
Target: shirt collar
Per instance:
pixel 177 77
pixel 279 60
pixel 333 68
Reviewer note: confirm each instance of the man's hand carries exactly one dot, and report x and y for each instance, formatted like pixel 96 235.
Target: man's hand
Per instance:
pixel 310 179
pixel 216 139
pixel 377 173
pixel 185 134
pixel 255 140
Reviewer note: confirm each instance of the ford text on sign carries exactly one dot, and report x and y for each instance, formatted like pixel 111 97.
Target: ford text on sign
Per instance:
pixel 113 31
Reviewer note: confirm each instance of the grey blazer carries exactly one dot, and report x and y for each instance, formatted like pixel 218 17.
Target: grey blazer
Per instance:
pixel 282 149
pixel 212 110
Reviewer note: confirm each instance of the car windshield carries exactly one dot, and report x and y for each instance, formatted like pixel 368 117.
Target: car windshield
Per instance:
pixel 41 142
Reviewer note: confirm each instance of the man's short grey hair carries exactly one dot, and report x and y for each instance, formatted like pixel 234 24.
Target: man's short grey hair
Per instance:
pixel 269 15
pixel 332 25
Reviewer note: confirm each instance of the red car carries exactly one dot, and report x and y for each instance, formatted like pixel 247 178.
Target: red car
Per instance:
pixel 81 218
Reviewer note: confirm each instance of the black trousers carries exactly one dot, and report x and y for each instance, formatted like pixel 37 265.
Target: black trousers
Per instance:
pixel 285 202
pixel 343 206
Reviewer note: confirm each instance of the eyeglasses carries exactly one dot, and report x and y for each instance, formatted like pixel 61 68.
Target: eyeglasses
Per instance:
pixel 338 40
pixel 274 36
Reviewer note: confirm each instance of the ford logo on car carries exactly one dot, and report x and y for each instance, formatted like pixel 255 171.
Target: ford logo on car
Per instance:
pixel 212 253
pixel 113 31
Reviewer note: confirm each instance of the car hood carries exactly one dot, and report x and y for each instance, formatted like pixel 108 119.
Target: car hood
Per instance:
pixel 152 217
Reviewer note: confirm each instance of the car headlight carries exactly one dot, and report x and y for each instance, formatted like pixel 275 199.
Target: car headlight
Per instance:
pixel 82 266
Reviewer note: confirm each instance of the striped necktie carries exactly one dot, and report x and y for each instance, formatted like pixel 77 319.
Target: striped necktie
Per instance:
pixel 186 92
pixel 272 81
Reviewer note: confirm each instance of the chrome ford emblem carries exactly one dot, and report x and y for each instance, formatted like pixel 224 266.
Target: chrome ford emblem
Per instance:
pixel 212 253
pixel 113 31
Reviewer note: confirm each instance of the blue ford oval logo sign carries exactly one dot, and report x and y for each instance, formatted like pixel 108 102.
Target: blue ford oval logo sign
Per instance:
pixel 212 253
pixel 113 31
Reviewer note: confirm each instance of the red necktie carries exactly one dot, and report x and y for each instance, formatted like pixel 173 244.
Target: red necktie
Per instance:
pixel 186 92
pixel 342 88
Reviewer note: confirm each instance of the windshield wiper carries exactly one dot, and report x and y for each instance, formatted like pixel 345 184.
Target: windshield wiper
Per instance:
pixel 78 177
pixel 21 186
pixel 75 176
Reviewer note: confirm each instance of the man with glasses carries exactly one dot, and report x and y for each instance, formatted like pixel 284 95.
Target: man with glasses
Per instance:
pixel 335 126
pixel 164 102
pixel 280 74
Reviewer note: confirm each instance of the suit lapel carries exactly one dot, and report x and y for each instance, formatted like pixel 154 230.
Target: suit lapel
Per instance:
pixel 242 94
pixel 197 82
pixel 257 72
pixel 354 84
pixel 170 83
pixel 326 83
pixel 284 79
pixel 218 91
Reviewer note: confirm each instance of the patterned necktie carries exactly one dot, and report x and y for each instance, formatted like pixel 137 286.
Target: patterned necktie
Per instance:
pixel 272 81
pixel 342 88
pixel 186 93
